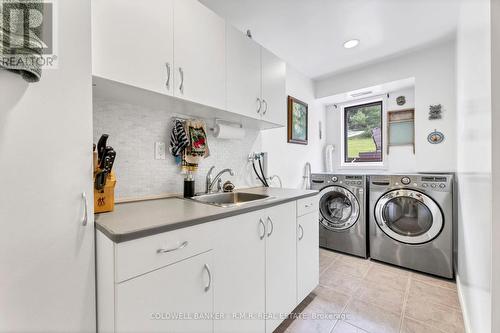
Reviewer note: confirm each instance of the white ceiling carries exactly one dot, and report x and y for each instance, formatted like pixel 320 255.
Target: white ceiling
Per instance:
pixel 309 34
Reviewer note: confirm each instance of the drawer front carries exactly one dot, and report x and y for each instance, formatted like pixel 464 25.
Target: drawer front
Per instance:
pixel 144 255
pixel 307 205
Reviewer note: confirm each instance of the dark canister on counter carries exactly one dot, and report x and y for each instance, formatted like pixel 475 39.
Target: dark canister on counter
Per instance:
pixel 189 186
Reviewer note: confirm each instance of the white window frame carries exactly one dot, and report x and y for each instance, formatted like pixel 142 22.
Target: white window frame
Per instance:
pixel 363 165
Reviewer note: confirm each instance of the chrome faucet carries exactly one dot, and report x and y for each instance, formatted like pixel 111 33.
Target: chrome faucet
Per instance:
pixel 211 182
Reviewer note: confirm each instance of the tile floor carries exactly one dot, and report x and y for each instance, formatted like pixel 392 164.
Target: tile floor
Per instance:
pixel 364 296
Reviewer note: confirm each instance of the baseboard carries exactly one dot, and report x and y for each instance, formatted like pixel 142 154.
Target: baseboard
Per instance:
pixel 461 299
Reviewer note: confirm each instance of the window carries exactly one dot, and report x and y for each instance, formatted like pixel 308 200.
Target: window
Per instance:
pixel 363 133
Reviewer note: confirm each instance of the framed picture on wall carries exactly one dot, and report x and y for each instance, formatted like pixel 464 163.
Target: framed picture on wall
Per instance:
pixel 297 121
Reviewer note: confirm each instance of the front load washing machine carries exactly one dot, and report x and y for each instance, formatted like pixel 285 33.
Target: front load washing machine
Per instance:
pixel 411 221
pixel 342 222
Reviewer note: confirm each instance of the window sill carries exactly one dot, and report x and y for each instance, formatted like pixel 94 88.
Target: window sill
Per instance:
pixel 363 166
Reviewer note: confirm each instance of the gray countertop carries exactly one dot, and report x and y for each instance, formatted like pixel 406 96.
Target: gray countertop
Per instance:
pixel 145 218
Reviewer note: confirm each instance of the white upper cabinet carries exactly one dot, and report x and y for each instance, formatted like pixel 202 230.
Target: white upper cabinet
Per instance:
pixel 243 74
pixel 200 54
pixel 273 88
pixel 132 42
pixel 256 79
pixel 181 48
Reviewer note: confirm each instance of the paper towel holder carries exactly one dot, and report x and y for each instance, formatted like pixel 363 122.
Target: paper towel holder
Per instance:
pixel 222 121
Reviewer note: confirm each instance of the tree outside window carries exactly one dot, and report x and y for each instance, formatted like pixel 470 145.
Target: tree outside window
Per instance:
pixel 363 133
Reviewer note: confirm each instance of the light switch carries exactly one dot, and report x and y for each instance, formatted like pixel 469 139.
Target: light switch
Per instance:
pixel 160 151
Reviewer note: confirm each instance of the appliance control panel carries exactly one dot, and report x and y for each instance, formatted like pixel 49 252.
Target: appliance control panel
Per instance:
pixel 321 180
pixel 442 183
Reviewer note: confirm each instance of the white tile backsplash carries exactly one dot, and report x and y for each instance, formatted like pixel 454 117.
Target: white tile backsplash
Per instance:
pixel 133 131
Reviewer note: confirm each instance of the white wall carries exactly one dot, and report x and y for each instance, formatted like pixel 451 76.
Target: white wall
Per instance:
pixel 46 255
pixel 495 62
pixel 474 168
pixel 288 160
pixel 399 159
pixel 434 71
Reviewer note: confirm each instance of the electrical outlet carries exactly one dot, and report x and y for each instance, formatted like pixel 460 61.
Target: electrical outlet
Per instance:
pixel 160 151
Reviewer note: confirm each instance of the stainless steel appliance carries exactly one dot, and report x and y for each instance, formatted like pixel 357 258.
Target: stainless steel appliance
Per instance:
pixel 342 212
pixel 411 221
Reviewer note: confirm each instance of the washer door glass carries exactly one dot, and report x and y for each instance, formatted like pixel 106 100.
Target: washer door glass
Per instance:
pixel 339 208
pixel 409 216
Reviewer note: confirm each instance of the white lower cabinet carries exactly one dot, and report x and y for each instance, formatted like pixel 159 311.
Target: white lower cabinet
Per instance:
pixel 256 270
pixel 182 291
pixel 239 274
pixel 307 254
pixel 281 269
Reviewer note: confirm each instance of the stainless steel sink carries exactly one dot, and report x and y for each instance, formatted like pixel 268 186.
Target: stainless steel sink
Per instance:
pixel 231 199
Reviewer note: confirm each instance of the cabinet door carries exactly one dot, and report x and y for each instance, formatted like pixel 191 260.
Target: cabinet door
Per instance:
pixel 132 42
pixel 281 262
pixel 243 74
pixel 150 303
pixel 240 266
pixel 307 254
pixel 47 276
pixel 273 88
pixel 200 54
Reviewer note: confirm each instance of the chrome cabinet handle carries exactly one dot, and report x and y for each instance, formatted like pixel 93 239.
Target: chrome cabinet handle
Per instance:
pixel 85 218
pixel 264 229
pixel 308 205
pixel 260 105
pixel 181 87
pixel 301 232
pixel 265 109
pixel 183 245
pixel 167 84
pixel 272 227
pixel 207 268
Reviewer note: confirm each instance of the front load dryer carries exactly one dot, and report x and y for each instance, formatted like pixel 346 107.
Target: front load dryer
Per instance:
pixel 411 221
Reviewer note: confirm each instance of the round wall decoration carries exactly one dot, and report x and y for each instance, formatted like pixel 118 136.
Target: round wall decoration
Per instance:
pixel 401 100
pixel 435 137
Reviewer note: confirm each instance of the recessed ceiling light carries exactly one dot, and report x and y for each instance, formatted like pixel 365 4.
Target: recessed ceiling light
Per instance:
pixel 351 43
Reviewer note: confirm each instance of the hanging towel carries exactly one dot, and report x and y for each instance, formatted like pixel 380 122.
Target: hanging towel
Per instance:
pixel 197 149
pixel 178 138
pixel 20 44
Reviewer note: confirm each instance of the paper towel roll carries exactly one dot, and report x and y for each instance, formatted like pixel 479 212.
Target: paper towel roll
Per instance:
pixel 228 132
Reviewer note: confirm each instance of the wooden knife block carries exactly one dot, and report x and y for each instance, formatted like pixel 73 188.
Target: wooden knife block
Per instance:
pixel 104 200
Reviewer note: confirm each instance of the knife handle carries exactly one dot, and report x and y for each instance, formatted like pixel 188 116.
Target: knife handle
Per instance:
pixel 100 180
pixel 103 156
pixel 109 164
pixel 101 144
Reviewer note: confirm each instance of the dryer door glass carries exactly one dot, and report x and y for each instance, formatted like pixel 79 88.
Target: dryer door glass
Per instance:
pixel 339 208
pixel 409 216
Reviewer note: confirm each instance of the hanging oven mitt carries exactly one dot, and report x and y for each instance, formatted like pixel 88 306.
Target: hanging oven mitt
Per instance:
pixel 178 140
pixel 197 149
